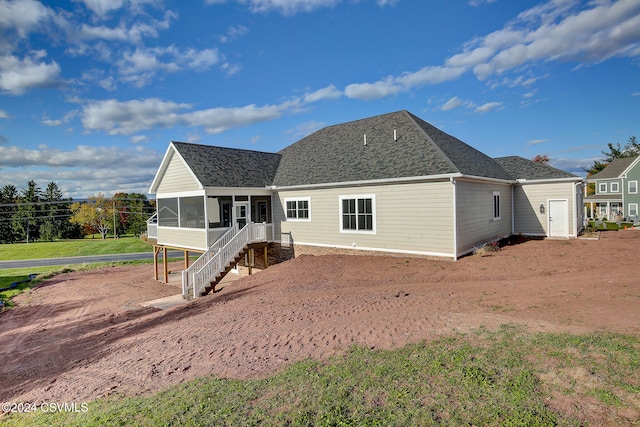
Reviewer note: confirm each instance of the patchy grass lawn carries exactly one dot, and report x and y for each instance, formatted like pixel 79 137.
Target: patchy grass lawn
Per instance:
pixel 488 378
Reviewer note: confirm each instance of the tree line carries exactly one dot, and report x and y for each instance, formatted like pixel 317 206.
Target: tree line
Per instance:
pixel 33 214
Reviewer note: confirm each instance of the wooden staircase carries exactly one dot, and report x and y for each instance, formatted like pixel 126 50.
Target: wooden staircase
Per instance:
pixel 211 287
pixel 208 270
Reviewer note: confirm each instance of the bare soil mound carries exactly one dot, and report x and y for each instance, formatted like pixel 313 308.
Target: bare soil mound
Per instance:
pixel 81 336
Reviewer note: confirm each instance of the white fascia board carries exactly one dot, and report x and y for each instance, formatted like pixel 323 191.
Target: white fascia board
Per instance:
pixel 549 181
pixel 163 167
pixel 239 191
pixel 368 182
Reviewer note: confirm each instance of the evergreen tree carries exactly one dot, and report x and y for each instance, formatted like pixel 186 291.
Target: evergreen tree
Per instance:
pixel 8 208
pixel 26 221
pixel 53 214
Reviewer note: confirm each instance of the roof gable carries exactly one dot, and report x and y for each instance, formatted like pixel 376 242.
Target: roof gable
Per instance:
pixel 229 167
pixel 615 169
pixel 520 168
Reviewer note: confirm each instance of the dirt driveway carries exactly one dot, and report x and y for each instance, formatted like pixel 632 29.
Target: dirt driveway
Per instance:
pixel 80 336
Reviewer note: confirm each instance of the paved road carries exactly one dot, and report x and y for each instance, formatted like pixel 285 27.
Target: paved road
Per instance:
pixel 85 259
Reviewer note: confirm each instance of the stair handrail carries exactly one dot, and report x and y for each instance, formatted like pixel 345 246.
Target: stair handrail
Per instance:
pixel 187 274
pixel 217 261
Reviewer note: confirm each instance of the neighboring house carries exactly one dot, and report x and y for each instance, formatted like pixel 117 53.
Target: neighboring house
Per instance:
pixel 391 183
pixel 616 191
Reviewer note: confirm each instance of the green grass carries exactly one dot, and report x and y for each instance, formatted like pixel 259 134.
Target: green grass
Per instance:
pixel 610 225
pixel 67 248
pixel 488 378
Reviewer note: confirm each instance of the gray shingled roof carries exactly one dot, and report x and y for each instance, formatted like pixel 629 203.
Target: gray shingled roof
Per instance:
pixel 520 168
pixel 229 167
pixel 613 169
pixel 338 153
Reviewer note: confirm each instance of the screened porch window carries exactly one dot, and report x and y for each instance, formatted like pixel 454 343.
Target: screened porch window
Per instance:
pixel 185 212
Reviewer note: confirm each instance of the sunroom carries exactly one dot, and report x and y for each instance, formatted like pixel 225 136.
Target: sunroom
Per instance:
pixel 194 221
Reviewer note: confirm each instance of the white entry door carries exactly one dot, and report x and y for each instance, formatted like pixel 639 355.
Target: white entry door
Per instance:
pixel 558 218
pixel 241 213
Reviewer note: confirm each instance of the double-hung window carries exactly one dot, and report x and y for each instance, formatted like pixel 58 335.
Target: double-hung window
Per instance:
pixel 602 187
pixel 633 187
pixel 615 187
pixel 298 209
pixel 358 214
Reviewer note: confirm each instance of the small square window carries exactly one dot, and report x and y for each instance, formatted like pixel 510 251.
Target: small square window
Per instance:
pixel 602 187
pixel 615 187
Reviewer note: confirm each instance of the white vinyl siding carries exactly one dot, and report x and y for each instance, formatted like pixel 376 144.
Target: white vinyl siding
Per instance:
pixel 412 217
pixel 496 205
pixel 475 204
pixel 190 238
pixel 177 178
pixel 531 204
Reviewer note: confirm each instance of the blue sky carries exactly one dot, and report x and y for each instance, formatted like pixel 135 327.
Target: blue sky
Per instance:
pixel 92 91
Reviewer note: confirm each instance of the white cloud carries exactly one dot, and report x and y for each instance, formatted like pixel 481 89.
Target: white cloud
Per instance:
pixel 233 33
pixel 101 7
pixel 536 141
pixel 393 85
pixel 3 114
pixel 111 169
pixel 556 31
pixel 18 76
pixel 454 102
pixel 49 122
pixel 127 117
pixel 329 92
pixel 139 138
pixel 288 7
pixel 141 66
pixel 23 16
pixel 489 106
pixel 369 91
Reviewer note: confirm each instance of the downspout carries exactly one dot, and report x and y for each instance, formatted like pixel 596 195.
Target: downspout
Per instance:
pixel 455 218
pixel 513 210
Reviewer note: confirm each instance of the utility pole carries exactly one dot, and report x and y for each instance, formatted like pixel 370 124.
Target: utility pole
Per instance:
pixel 114 218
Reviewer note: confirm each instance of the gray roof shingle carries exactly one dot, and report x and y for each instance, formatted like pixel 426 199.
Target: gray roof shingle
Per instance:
pixel 520 168
pixel 338 153
pixel 613 169
pixel 229 167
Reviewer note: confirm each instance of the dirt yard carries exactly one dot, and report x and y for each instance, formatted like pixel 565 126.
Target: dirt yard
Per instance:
pixel 81 336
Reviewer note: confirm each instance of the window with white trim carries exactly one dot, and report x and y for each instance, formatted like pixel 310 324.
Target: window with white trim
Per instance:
pixel 358 214
pixel 615 187
pixel 496 205
pixel 633 187
pixel 602 187
pixel 633 211
pixel 298 209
